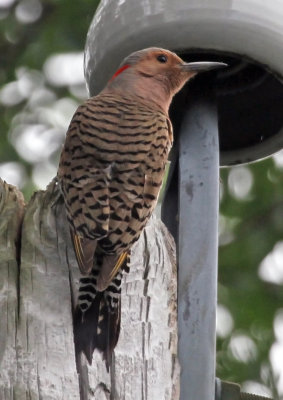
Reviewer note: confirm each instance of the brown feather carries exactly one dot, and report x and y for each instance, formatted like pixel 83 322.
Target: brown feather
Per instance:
pixel 84 250
pixel 111 267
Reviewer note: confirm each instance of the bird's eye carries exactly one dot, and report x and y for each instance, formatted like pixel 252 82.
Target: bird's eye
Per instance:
pixel 162 58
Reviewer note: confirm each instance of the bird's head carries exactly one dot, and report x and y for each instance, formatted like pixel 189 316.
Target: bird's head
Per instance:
pixel 156 74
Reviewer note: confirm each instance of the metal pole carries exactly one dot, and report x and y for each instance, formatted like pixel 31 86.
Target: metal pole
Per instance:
pixel 198 245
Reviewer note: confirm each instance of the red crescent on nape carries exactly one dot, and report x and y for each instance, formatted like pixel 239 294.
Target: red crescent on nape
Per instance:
pixel 119 71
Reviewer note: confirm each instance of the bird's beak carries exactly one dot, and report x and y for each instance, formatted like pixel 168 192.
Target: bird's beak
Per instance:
pixel 202 66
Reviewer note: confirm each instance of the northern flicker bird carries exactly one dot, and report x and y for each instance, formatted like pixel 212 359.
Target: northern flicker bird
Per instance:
pixel 110 174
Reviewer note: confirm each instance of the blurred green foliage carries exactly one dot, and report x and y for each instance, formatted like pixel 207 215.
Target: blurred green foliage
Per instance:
pixel 252 223
pixel 253 302
pixel 61 28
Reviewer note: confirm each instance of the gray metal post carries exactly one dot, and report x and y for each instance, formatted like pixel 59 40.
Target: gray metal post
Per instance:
pixel 198 235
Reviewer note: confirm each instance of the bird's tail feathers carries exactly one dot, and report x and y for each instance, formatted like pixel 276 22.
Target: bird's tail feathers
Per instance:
pixel 98 314
pixel 97 328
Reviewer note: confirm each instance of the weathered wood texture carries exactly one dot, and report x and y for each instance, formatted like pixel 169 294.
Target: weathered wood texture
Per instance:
pixel 37 296
pixel 11 211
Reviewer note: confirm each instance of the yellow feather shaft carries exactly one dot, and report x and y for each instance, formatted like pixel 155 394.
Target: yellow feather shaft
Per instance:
pixel 78 248
pixel 118 265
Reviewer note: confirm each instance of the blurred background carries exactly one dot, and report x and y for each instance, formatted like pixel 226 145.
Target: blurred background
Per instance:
pixel 41 85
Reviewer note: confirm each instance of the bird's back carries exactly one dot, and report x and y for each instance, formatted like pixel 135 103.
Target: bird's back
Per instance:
pixel 112 167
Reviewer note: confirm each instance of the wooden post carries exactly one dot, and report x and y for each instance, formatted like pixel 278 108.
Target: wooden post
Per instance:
pixel 38 286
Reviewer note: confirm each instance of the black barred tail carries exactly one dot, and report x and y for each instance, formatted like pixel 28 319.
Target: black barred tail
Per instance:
pixel 98 327
pixel 98 314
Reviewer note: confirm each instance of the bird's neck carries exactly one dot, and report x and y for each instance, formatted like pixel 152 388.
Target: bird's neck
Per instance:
pixel 146 90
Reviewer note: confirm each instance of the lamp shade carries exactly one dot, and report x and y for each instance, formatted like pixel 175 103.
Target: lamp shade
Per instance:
pixel 247 34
